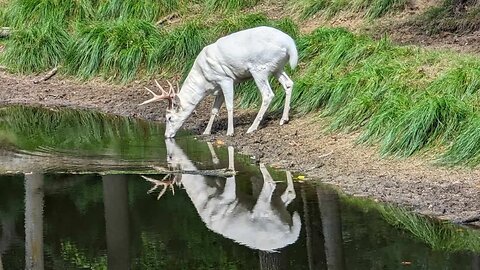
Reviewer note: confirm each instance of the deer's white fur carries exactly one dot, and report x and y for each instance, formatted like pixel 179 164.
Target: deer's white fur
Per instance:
pixel 253 53
pixel 263 224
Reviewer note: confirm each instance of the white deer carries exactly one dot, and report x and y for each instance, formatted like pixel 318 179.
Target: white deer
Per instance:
pixel 253 53
pixel 264 224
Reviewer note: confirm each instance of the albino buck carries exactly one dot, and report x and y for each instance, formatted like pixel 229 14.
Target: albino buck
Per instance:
pixel 253 53
pixel 264 224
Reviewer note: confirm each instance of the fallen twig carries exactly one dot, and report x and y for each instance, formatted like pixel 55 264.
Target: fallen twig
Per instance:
pixel 167 19
pixel 469 220
pixel 50 74
pixel 5 32
pixel 326 155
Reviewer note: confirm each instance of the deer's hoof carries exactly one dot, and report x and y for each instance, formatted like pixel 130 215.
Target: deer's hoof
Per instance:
pixel 230 134
pixel 250 130
pixel 283 121
pixel 206 133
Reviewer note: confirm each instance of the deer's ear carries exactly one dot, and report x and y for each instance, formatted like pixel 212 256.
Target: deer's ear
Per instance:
pixel 176 103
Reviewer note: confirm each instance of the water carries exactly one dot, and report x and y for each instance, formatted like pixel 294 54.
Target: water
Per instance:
pixel 72 197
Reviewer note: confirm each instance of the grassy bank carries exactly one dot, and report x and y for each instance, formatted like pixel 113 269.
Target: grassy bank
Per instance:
pixel 404 99
pixel 329 8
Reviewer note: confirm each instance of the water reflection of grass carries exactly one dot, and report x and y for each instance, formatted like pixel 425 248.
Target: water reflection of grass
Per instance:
pixel 442 236
pixel 28 128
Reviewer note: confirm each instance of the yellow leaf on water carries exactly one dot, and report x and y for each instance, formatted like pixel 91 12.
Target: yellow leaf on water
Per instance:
pixel 300 177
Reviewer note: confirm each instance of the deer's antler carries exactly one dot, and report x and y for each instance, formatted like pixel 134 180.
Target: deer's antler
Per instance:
pixel 164 183
pixel 165 95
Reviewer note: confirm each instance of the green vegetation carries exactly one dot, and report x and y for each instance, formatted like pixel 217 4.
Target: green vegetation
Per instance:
pixel 36 48
pixel 449 17
pixel 229 5
pixel 404 99
pixel 329 8
pixel 439 235
pixel 116 49
pixel 28 128
pixel 446 236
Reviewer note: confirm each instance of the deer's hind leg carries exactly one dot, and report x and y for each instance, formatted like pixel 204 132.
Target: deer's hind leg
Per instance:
pixel 289 194
pixel 264 201
pixel 261 80
pixel 287 85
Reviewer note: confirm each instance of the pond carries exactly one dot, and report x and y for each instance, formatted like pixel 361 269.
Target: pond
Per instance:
pixel 81 190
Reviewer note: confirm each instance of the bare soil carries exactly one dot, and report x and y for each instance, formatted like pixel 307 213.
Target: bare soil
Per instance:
pixel 300 146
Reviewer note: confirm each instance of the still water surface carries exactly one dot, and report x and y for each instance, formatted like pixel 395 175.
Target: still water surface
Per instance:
pixel 72 197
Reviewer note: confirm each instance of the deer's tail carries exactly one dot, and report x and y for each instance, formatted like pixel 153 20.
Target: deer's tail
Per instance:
pixel 292 53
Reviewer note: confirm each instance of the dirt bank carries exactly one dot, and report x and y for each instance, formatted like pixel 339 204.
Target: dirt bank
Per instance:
pixel 299 146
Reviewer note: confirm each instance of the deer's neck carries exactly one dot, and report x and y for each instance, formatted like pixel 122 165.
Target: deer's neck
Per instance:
pixel 194 89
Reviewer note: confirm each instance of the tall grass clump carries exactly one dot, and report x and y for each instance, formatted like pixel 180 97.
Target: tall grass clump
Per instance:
pixel 447 17
pixel 114 49
pixel 181 45
pixel 241 22
pixel 329 8
pixel 439 236
pixel 149 10
pixel 27 13
pixel 431 118
pixel 465 148
pixel 36 48
pixel 229 5
pixel 462 81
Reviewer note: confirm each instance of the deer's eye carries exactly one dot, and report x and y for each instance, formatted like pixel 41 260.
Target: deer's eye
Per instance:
pixel 169 119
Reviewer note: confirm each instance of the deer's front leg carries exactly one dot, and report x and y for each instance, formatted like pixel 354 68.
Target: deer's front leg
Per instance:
pixel 227 89
pixel 216 107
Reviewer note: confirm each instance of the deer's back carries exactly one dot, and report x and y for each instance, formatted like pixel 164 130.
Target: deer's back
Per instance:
pixel 261 48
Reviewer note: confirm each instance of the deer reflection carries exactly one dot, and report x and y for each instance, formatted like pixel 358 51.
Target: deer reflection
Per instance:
pixel 263 224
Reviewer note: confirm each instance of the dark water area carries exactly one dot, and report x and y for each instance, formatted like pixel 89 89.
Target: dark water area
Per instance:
pixel 72 196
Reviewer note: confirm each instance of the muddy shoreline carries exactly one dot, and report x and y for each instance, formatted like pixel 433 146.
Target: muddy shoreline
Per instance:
pixel 300 146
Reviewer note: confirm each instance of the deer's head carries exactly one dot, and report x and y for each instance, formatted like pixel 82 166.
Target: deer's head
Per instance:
pixel 174 116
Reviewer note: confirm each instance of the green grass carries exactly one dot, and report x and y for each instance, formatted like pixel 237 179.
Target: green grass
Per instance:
pixel 28 128
pixel 445 237
pixel 439 235
pixel 36 48
pixel 149 10
pixel 182 44
pixel 444 18
pixel 27 13
pixel 229 5
pixel 116 50
pixel 329 8
pixel 465 147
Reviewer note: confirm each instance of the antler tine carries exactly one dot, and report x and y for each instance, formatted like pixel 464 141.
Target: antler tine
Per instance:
pixel 178 87
pixel 161 88
pixel 172 90
pixel 155 97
